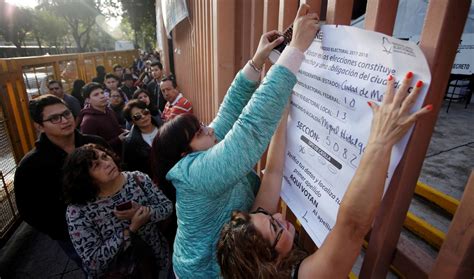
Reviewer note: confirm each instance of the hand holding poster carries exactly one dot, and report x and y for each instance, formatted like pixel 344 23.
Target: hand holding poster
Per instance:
pixel 329 121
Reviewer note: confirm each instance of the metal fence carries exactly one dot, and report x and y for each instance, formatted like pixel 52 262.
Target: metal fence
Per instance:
pixel 20 80
pixel 8 210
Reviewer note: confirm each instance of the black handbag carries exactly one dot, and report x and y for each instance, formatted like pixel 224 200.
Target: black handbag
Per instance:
pixel 135 259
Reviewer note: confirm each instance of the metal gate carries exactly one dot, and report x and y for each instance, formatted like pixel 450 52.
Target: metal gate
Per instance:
pixel 8 209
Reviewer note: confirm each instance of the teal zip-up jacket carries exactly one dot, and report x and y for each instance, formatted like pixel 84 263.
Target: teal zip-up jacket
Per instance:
pixel 211 184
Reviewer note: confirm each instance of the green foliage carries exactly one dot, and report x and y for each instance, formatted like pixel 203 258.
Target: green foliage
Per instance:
pixel 49 28
pixel 101 41
pixel 142 18
pixel 57 23
pixel 15 23
pixel 79 15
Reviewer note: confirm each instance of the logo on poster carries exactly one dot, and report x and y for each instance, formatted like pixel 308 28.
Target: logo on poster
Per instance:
pixel 387 45
pixel 390 47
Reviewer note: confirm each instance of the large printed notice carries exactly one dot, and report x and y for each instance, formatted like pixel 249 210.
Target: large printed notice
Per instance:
pixel 329 121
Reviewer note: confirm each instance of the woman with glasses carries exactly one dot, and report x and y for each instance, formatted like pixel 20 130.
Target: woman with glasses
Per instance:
pixel 137 145
pixel 211 168
pixel 261 243
pixel 117 102
pixel 110 212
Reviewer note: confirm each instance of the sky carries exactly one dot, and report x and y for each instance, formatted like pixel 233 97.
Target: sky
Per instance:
pixel 112 22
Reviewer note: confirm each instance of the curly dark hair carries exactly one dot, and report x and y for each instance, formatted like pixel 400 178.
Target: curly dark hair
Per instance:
pixel 79 187
pixel 242 251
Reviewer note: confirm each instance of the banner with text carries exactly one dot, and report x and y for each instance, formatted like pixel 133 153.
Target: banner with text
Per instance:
pixel 330 120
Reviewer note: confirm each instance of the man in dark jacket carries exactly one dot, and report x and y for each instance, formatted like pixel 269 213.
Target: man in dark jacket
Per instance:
pixel 128 88
pixel 38 178
pixel 98 119
pixel 153 87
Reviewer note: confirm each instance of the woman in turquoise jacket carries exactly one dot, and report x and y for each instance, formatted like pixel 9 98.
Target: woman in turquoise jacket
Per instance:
pixel 211 167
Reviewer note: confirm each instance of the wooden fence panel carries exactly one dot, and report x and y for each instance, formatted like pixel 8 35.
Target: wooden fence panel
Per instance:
pixel 444 24
pixel 339 12
pixel 14 98
pixel 234 32
pixel 287 13
pixel 380 16
pixel 456 257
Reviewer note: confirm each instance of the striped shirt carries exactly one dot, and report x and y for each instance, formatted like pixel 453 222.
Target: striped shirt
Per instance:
pixel 179 106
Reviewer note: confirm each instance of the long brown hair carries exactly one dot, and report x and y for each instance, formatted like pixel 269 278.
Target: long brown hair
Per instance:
pixel 242 252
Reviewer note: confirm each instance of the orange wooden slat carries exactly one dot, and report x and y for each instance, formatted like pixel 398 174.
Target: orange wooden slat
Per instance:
pixel 270 15
pixel 380 15
pixel 256 29
pixel 287 13
pixel 456 257
pixel 339 12
pixel 314 4
pixel 224 45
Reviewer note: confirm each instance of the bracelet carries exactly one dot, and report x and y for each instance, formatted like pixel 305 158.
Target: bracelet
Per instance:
pixel 256 69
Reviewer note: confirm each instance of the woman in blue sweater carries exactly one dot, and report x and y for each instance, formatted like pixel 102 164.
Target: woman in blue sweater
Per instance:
pixel 211 168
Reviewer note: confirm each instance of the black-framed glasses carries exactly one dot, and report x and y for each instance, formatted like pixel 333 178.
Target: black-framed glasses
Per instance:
pixel 54 88
pixel 273 223
pixel 138 116
pixel 56 118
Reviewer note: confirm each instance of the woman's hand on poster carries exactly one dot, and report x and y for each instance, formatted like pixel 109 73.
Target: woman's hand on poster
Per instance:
pixel 305 27
pixel 128 213
pixel 393 118
pixel 268 41
pixel 141 217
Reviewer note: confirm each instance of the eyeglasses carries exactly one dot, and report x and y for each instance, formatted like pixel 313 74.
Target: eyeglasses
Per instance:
pixel 56 118
pixel 54 88
pixel 115 96
pixel 273 223
pixel 138 116
pixel 203 130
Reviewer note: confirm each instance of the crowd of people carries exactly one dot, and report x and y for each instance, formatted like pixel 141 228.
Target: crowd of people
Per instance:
pixel 131 183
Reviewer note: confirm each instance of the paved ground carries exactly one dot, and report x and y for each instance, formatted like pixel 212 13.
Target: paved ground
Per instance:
pixel 450 157
pixel 30 254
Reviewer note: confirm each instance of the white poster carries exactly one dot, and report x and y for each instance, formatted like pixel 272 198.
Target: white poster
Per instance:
pixel 173 11
pixel 330 120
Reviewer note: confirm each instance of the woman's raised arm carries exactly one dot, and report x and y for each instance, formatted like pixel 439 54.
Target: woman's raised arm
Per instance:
pixel 390 123
pixel 268 195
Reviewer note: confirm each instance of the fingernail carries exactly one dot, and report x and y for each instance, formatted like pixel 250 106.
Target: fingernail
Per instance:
pixel 390 77
pixel 419 84
pixel 429 107
pixel 409 75
pixel 370 104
